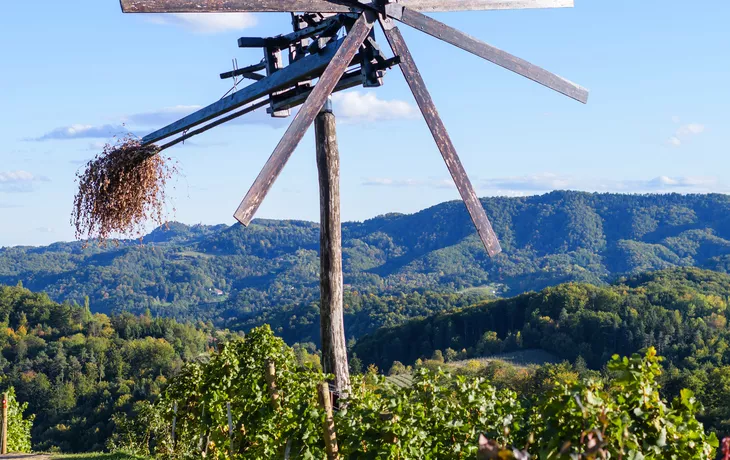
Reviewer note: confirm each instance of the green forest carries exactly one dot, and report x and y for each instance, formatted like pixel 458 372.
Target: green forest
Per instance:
pixel 236 276
pixel 82 374
pixel 75 369
pixel 92 337
pixel 681 312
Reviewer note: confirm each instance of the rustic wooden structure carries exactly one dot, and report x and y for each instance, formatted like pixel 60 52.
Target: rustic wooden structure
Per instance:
pixel 328 425
pixel 4 431
pixel 323 60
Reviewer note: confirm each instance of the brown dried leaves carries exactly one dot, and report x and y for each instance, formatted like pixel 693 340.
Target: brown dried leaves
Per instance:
pixel 121 189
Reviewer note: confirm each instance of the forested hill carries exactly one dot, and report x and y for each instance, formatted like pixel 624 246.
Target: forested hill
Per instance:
pixel 223 272
pixel 682 312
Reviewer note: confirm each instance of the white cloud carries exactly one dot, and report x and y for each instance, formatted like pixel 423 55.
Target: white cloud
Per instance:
pixel 546 182
pixel 684 132
pixel 46 230
pixel 359 106
pixel 206 23
pixel 429 183
pixel 79 131
pixel 19 181
pixel 541 181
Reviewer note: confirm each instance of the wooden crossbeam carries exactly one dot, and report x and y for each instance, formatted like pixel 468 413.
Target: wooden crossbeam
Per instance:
pixel 309 66
pixel 326 6
pixel 443 141
pixel 479 48
pixel 304 118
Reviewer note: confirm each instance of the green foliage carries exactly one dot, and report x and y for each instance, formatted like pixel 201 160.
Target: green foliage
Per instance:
pixel 681 312
pixel 18 426
pixel 235 375
pixel 438 416
pixel 268 273
pixel 626 418
pixel 74 370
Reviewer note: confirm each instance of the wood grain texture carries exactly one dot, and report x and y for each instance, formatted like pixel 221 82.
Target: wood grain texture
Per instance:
pixel 328 424
pixel 326 6
pixel 443 141
pixel 304 118
pixel 495 55
pixel 309 66
pixel 482 5
pixel 332 323
pixel 234 6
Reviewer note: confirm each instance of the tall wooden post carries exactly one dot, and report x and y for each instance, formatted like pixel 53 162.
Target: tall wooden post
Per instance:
pixel 4 434
pixel 332 327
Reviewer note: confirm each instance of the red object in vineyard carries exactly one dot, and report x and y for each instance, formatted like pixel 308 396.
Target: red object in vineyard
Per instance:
pixel 726 449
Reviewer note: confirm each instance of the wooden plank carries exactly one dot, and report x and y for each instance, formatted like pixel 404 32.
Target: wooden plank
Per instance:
pixel 490 53
pixel 332 323
pixel 309 66
pixel 215 123
pixel 443 141
pixel 349 80
pixel 304 117
pixel 482 5
pixel 234 6
pixel 326 6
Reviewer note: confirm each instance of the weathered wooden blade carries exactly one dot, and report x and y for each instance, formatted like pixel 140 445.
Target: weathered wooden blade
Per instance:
pixel 326 6
pixel 234 6
pixel 309 66
pixel 304 118
pixel 482 5
pixel 475 46
pixel 441 136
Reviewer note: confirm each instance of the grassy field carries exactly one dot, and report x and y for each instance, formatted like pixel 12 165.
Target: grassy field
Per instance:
pixel 522 358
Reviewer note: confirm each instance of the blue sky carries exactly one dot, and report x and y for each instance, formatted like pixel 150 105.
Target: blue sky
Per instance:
pixel 72 72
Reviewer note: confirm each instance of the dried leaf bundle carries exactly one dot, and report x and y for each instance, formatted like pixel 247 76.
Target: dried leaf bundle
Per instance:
pixel 120 190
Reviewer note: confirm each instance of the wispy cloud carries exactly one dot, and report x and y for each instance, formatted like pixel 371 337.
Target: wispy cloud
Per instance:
pixel 366 106
pixel 546 182
pixel 19 181
pixel 46 230
pixel 79 131
pixel 685 132
pixel 428 183
pixel 205 23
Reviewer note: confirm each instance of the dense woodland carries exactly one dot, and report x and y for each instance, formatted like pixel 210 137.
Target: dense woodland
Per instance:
pixel 75 369
pixel 117 323
pixel 681 312
pixel 236 275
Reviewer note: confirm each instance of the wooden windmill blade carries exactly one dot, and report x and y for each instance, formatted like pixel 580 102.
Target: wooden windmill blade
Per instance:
pixel 479 48
pixel 443 141
pixel 305 117
pixel 327 6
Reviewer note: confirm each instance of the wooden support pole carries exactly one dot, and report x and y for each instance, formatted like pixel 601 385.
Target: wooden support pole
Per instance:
pixel 330 436
pixel 332 327
pixel 271 383
pixel 4 434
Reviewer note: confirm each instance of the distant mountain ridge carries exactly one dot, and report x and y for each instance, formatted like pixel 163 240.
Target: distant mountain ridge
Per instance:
pixel 221 272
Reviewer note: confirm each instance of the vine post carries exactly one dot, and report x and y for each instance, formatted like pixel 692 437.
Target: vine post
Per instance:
pixel 330 436
pixel 271 383
pixel 4 435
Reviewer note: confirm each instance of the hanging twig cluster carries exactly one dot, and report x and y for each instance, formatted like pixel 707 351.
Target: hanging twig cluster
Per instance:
pixel 120 190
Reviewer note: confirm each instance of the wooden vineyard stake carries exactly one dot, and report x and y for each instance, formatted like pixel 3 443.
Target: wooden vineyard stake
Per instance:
pixel 332 326
pixel 4 434
pixel 333 48
pixel 271 384
pixel 174 421
pixel 330 436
